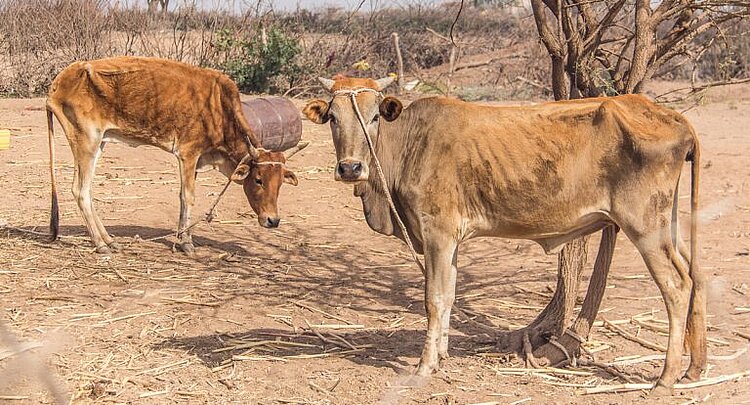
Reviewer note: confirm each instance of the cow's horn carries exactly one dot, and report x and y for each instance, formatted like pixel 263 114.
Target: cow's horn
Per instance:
pixel 384 82
pixel 327 83
pixel 252 151
pixel 294 149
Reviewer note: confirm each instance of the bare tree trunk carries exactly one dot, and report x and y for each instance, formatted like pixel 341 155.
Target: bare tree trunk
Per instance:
pixel 571 339
pixel 452 59
pixel 399 63
pixel 152 6
pixel 560 84
pixel 558 314
pixel 609 47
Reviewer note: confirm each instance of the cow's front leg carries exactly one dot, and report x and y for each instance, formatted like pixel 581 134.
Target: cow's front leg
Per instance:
pixel 440 284
pixel 187 198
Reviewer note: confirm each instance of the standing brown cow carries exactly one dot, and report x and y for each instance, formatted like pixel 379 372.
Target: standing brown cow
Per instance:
pixel 548 173
pixel 191 112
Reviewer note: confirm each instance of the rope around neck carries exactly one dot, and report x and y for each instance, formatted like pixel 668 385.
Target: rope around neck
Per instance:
pixel 353 97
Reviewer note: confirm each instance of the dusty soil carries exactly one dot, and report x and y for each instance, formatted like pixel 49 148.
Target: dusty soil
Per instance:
pixel 233 324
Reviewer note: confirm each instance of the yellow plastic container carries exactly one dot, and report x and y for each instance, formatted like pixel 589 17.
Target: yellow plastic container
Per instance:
pixel 4 139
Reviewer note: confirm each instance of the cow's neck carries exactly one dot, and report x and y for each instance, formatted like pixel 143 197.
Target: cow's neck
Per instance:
pixel 374 201
pixel 236 141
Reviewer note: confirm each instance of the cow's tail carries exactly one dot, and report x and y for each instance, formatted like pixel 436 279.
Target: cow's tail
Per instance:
pixel 694 156
pixel 54 217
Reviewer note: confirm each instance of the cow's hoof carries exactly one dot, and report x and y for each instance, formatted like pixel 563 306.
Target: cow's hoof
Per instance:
pixel 424 370
pixel 660 391
pixel 116 247
pixel 691 375
pixel 103 249
pixel 188 248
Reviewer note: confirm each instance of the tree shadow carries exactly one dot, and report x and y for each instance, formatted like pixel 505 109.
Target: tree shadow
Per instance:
pixel 294 263
pixel 377 348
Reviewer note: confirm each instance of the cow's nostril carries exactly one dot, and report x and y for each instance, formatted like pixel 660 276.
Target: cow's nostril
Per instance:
pixel 340 169
pixel 356 168
pixel 273 222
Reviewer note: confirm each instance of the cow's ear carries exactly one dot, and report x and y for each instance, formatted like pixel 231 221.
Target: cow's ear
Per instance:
pixel 390 108
pixel 290 177
pixel 241 172
pixel 316 111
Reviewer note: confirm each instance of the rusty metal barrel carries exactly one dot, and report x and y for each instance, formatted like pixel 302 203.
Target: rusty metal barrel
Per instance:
pixel 275 120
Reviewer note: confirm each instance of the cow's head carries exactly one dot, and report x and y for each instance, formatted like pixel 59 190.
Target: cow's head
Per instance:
pixel 348 138
pixel 261 178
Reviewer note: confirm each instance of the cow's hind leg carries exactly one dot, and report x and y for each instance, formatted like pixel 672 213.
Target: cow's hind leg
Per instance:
pixel 187 198
pixel 86 155
pixel 695 336
pixel 440 285
pixel 672 278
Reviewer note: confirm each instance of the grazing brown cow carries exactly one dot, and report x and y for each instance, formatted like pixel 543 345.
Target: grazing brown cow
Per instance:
pixel 191 112
pixel 548 173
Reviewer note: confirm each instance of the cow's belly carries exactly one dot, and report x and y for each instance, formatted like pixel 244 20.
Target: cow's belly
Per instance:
pixel 135 139
pixel 550 231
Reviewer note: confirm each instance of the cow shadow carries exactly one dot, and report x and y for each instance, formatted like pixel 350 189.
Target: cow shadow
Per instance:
pixel 77 235
pixel 397 350
pixel 278 270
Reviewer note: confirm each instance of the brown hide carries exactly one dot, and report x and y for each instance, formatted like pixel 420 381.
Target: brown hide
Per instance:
pixel 191 112
pixel 549 173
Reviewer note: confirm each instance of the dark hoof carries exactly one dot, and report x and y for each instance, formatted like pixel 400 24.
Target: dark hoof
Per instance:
pixel 660 391
pixel 103 249
pixel 116 247
pixel 188 248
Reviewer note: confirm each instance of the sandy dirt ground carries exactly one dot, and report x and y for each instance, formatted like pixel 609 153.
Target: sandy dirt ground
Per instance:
pixel 321 310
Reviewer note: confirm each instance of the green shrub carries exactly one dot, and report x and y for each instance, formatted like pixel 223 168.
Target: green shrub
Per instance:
pixel 257 64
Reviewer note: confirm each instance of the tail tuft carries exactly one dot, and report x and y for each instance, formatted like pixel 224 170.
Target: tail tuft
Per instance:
pixel 54 218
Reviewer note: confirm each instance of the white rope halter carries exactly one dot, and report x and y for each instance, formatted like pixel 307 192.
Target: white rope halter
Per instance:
pixel 353 97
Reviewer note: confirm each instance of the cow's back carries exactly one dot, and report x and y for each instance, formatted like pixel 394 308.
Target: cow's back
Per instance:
pixel 149 100
pixel 521 167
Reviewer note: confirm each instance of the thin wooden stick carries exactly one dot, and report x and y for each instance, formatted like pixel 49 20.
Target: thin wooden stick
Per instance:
pixel 634 387
pixel 311 308
pixel 399 63
pixel 545 370
pixel 21 348
pixel 337 326
pixel 627 335
pixel 606 367
pixel 641 359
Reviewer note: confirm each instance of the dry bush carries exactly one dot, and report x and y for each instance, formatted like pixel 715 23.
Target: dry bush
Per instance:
pixel 40 37
pixel 37 47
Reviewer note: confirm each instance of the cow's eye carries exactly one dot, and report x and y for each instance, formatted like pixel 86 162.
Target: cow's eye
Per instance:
pixel 259 182
pixel 376 118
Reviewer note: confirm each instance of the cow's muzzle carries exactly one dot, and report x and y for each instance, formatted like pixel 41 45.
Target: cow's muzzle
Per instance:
pixel 350 171
pixel 269 222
